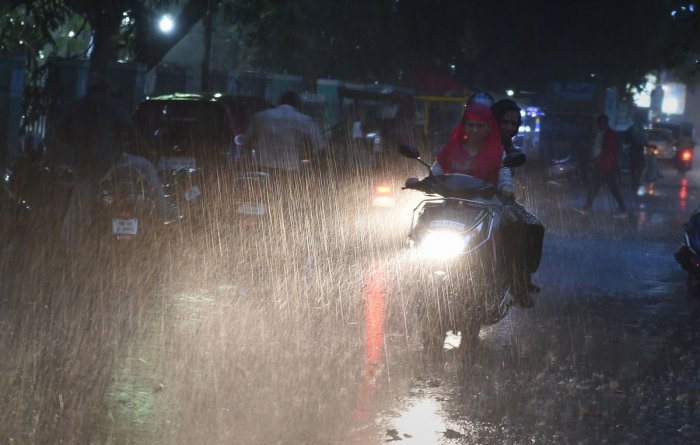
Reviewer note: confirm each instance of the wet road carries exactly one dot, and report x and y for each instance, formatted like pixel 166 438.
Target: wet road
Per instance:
pixel 608 355
pixel 288 341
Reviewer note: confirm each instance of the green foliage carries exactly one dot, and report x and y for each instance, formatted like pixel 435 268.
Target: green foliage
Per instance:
pixel 506 43
pixel 681 44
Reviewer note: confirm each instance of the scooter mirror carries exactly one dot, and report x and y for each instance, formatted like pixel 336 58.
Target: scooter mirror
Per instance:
pixel 409 151
pixel 514 159
pixel 411 182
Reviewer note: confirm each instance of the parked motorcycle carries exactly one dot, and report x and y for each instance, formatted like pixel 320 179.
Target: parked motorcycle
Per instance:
pixel 39 195
pixel 128 206
pixel 183 182
pixel 458 256
pixel 563 170
pixel 122 206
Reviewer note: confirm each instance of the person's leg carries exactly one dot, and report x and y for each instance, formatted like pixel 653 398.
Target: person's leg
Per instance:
pixel 611 181
pixel 596 182
pixel 515 250
pixel 636 167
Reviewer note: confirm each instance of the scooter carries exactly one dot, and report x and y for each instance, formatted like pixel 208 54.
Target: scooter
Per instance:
pixel 460 263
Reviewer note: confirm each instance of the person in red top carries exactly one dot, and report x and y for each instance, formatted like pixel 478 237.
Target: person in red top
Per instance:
pixel 605 169
pixel 475 149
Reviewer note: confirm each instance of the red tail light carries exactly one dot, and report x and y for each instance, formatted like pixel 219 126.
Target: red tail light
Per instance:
pixel 687 155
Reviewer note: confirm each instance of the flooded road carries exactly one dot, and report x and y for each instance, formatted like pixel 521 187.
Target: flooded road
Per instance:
pixel 311 336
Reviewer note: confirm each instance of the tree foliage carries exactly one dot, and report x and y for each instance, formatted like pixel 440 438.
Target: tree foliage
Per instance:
pixel 681 47
pixel 499 44
pixel 505 43
pixel 381 40
pixel 114 29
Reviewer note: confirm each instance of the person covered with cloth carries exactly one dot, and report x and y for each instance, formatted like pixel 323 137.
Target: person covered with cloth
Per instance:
pixel 507 115
pixel 474 148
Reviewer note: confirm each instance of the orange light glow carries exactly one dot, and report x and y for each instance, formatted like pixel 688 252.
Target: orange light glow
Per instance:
pixel 383 189
pixel 374 298
pixel 686 155
pixel 683 195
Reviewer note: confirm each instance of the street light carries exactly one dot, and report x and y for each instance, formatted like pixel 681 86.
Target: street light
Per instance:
pixel 510 92
pixel 166 23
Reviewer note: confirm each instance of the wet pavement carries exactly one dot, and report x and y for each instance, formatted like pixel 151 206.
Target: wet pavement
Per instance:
pixel 608 355
pixel 314 340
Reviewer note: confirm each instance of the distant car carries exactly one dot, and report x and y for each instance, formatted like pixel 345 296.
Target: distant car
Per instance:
pixel 662 142
pixel 188 130
pixel 683 133
pixel 684 138
pixel 192 136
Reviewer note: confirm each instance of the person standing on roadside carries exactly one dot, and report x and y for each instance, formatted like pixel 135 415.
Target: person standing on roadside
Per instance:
pixel 605 168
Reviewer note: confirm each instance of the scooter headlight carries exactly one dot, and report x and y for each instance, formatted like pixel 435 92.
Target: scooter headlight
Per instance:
pixel 444 244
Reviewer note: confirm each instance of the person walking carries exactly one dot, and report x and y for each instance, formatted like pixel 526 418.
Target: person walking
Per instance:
pixel 605 168
pixel 637 141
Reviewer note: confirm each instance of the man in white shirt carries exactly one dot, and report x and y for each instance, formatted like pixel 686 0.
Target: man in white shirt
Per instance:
pixel 282 137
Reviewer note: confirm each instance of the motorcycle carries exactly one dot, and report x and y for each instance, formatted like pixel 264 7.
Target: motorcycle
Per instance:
pixel 127 206
pixel 688 255
pixel 683 160
pixel 459 258
pixel 121 205
pixel 183 182
pixel 563 170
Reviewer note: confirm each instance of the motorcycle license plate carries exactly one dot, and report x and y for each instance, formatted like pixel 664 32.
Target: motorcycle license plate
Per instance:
pixel 122 226
pixel 252 208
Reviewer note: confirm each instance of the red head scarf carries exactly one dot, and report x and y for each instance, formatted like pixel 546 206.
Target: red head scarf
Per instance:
pixel 486 163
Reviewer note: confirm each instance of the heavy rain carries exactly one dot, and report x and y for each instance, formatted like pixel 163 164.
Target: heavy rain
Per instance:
pixel 227 230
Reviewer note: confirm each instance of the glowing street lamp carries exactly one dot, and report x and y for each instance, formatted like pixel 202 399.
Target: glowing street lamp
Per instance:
pixel 166 23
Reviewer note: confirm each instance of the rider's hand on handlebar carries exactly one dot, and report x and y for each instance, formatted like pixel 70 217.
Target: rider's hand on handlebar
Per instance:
pixel 411 182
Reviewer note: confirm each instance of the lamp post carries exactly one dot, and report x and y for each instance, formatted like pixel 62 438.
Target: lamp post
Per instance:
pixel 206 58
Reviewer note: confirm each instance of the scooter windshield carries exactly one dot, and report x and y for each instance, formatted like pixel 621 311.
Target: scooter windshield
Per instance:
pixel 454 185
pixel 462 183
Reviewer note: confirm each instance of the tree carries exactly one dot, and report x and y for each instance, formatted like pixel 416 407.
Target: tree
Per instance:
pixel 115 27
pixel 681 43
pixel 367 40
pixel 506 43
